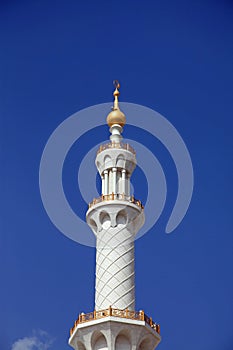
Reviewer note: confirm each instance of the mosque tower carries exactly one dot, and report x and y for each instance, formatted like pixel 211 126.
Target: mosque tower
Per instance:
pixel 115 218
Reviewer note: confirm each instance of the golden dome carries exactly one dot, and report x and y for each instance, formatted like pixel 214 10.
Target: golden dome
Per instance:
pixel 116 116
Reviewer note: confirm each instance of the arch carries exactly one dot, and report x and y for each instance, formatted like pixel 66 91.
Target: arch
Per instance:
pixel 120 161
pixel 108 162
pixel 146 343
pixel 105 220
pixel 98 341
pixel 80 346
pixel 93 225
pixel 121 218
pixel 98 165
pixel 122 342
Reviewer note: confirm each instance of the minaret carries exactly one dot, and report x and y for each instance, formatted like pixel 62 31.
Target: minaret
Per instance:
pixel 115 218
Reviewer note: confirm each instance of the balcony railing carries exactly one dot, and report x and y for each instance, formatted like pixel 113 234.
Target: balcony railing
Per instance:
pixel 117 196
pixel 118 145
pixel 128 314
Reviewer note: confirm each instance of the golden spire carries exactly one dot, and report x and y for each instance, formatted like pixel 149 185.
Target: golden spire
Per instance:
pixel 116 116
pixel 116 93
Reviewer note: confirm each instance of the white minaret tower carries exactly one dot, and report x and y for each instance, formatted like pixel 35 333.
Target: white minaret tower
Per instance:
pixel 115 218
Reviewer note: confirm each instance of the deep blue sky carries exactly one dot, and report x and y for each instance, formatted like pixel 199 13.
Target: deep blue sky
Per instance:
pixel 58 57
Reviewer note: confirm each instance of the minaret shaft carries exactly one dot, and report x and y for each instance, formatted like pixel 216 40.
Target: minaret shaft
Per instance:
pixel 115 269
pixel 115 220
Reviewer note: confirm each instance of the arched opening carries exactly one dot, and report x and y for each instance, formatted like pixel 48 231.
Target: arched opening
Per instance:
pixel 105 220
pixel 80 346
pixel 98 164
pixel 120 161
pixel 100 343
pixel 145 344
pixel 107 162
pixel 93 225
pixel 121 218
pixel 122 342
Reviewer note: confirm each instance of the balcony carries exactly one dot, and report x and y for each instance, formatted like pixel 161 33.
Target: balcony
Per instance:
pixel 118 196
pixel 125 146
pixel 126 314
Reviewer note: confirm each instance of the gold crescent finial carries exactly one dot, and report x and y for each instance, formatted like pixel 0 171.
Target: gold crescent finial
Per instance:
pixel 116 93
pixel 116 84
pixel 116 116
